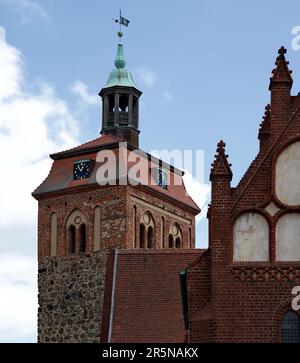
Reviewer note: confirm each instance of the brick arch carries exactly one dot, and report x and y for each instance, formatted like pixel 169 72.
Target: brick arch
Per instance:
pixel 70 219
pixel 275 158
pixel 177 236
pixel 277 319
pixel 284 212
pixel 148 223
pixel 147 212
pixel 77 218
pixel 253 210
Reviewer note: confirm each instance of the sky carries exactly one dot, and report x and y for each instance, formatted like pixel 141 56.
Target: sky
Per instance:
pixel 204 69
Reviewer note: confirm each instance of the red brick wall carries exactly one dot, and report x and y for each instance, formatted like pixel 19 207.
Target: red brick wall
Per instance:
pixel 147 301
pixel 164 206
pixel 199 298
pixel 116 218
pixel 248 300
pixel 113 214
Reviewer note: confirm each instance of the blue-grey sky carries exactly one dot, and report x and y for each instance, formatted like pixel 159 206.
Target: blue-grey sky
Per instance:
pixel 203 67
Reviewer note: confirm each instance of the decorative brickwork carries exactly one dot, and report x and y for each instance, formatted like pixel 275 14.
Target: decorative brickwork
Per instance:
pixel 247 300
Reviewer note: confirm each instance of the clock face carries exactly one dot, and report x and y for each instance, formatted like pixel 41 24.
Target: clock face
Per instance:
pixel 82 169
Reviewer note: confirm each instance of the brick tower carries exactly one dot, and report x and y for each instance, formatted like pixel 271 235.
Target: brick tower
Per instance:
pixel 84 221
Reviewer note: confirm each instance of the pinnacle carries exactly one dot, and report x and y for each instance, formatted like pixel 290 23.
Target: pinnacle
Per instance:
pixel 221 166
pixel 281 73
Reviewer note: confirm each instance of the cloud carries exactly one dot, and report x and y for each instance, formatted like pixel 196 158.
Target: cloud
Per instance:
pixel 81 89
pixel 27 9
pixel 32 125
pixel 200 193
pixel 10 68
pixel 18 303
pixel 147 76
pixel 167 96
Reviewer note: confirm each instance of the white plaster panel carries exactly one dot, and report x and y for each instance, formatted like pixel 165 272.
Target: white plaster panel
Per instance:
pixel 272 209
pixel 288 238
pixel 251 238
pixel 288 175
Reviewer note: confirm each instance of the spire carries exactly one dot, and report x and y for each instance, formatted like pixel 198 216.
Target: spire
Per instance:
pixel 281 73
pixel 120 98
pixel 120 76
pixel 221 166
pixel 266 123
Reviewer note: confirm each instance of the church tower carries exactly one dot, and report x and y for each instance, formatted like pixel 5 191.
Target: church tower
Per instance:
pixel 83 224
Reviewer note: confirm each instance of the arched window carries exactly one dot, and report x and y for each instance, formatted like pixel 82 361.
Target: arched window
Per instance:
pixel 77 231
pixel 171 241
pixel 175 236
pixel 147 231
pixel 290 328
pixel 71 240
pixel 82 237
pixel 150 237
pixel 142 235
pixel 178 242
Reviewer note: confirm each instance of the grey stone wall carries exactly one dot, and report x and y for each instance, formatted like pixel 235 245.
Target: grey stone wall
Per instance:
pixel 71 292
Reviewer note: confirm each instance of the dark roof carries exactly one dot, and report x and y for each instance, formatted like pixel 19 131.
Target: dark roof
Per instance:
pixel 147 298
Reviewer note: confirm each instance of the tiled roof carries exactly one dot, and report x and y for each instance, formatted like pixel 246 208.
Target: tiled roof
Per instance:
pixel 60 178
pixel 100 141
pixel 147 298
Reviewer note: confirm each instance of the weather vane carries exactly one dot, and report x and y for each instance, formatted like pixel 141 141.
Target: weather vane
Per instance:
pixel 121 21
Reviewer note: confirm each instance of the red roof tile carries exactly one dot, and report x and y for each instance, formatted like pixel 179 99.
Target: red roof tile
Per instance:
pixel 61 178
pixel 147 299
pixel 100 141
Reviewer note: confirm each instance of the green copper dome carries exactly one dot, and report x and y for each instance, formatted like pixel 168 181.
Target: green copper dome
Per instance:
pixel 120 76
